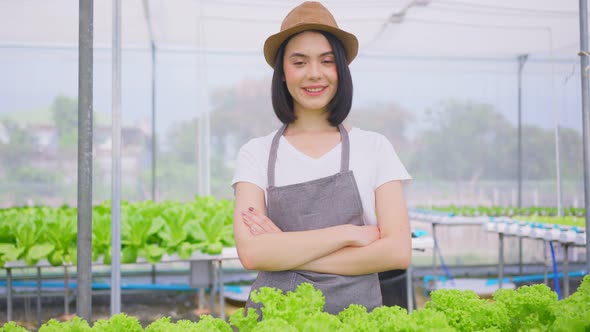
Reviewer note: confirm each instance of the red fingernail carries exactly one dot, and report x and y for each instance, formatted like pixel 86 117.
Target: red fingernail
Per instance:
pixel 251 209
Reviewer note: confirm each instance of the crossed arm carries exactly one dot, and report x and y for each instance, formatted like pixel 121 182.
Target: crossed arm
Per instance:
pixel 343 249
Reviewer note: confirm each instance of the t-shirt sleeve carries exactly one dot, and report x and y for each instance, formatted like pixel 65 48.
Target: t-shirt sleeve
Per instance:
pixel 389 166
pixel 249 166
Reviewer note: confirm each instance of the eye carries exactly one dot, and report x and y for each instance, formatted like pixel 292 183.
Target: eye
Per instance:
pixel 328 60
pixel 297 62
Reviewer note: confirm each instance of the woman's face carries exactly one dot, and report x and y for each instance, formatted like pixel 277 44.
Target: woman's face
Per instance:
pixel 310 71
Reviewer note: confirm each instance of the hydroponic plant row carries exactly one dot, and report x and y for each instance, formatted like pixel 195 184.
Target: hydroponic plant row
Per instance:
pixel 506 211
pixel 528 308
pixel 148 230
pixel 482 215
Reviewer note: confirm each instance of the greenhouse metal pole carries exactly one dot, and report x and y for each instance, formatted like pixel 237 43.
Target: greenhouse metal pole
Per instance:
pixel 204 120
pixel 585 118
pixel 154 137
pixel 85 102
pixel 521 61
pixel 116 163
pixel 558 170
pixel 146 9
pixel 203 124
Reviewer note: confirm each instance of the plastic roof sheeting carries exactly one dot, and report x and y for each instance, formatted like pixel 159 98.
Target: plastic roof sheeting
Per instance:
pixel 475 28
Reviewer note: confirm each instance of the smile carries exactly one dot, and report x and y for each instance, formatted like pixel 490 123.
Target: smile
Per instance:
pixel 314 89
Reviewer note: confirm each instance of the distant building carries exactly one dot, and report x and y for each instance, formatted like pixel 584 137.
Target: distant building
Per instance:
pixel 46 138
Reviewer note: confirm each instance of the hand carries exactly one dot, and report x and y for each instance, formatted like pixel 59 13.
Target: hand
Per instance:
pixel 364 235
pixel 258 223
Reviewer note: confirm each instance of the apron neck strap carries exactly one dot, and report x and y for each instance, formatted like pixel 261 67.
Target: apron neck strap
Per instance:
pixel 272 158
pixel 345 154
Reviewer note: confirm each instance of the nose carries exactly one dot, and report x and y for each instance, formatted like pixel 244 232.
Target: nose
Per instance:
pixel 314 70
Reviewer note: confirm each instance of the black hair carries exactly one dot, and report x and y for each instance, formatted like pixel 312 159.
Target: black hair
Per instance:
pixel 338 107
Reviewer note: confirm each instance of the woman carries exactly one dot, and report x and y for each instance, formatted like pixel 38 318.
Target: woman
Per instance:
pixel 316 201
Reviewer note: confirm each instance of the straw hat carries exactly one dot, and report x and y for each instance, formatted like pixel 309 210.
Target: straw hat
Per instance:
pixel 309 15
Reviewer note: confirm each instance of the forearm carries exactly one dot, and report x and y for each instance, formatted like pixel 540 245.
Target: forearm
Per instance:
pixel 263 246
pixel 381 255
pixel 288 250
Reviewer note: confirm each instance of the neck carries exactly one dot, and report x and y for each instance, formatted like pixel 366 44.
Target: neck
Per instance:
pixel 308 121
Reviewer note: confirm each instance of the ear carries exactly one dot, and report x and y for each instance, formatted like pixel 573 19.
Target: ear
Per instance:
pixel 283 79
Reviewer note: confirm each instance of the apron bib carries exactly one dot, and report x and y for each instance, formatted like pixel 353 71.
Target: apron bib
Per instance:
pixel 316 204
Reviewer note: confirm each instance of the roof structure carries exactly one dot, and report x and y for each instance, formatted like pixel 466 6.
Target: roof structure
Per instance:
pixel 456 28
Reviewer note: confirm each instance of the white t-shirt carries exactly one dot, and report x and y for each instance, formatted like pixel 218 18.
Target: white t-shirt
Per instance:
pixel 373 161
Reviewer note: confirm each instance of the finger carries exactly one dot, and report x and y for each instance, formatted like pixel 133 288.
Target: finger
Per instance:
pixel 263 221
pixel 254 229
pixel 252 225
pixel 257 220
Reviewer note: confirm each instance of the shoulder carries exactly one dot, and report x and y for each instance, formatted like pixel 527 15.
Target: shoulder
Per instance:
pixel 375 148
pixel 368 139
pixel 258 145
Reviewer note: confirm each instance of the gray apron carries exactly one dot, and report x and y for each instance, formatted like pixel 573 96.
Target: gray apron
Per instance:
pixel 316 204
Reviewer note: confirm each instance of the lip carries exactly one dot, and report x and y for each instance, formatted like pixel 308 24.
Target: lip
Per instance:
pixel 316 93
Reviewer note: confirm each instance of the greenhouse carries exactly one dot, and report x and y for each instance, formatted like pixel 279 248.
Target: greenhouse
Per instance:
pixel 124 129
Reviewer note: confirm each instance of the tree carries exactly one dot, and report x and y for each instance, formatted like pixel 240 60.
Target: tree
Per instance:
pixel 391 120
pixel 65 116
pixel 538 153
pixel 20 178
pixel 182 138
pixel 20 146
pixel 240 113
pixel 466 141
pixel 571 154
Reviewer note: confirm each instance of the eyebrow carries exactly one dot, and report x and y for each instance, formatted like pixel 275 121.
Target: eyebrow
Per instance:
pixel 295 54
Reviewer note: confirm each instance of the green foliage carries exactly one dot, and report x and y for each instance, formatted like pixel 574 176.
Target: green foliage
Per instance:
pixel 162 325
pixel 476 132
pixel 425 320
pixel 101 233
pixel 30 233
pixel 148 230
pixel 573 313
pixel 507 211
pixel 12 327
pixel 274 324
pixel 244 323
pixel 118 323
pixel 387 319
pixel 292 306
pixel 323 321
pixel 470 141
pixel 65 116
pixel 528 307
pixel 357 317
pixel 208 323
pixel 465 311
pixel 217 232
pixel 579 222
pixel 16 153
pixel 62 232
pixel 186 325
pixel 77 324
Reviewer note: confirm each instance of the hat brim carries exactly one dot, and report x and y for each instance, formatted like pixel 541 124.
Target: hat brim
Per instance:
pixel 272 43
